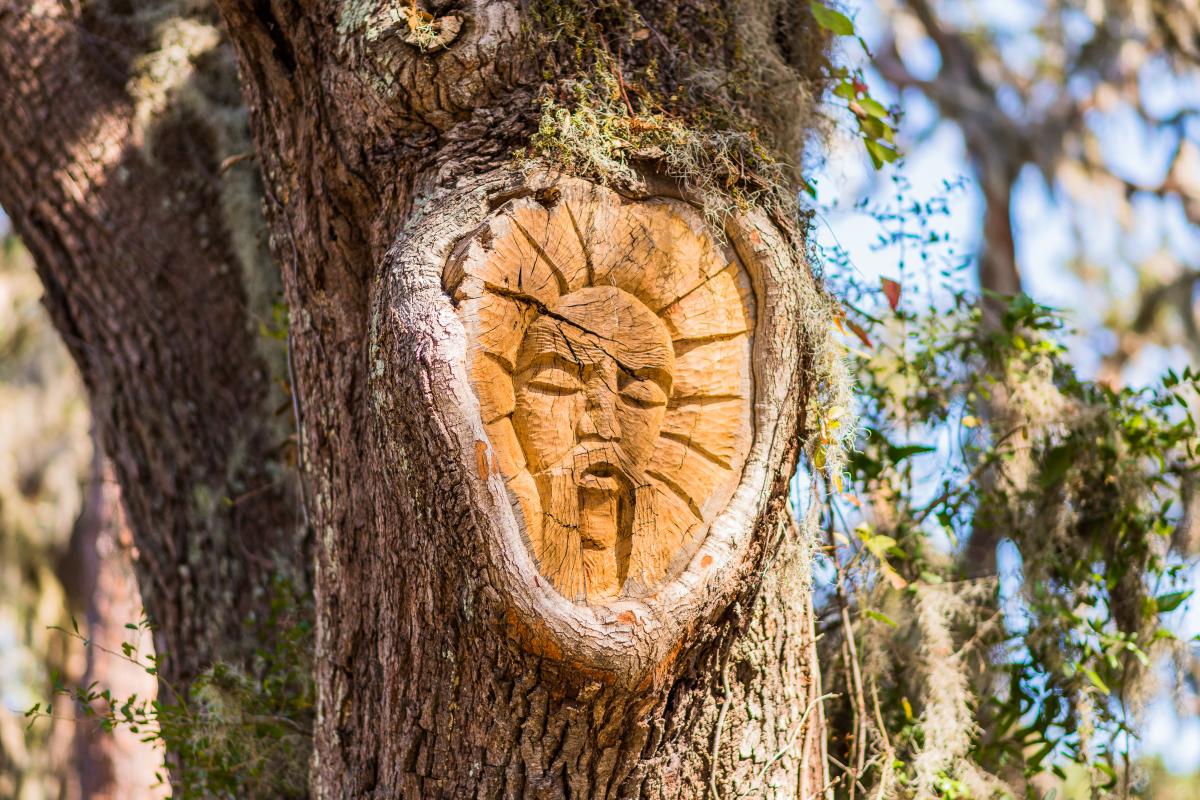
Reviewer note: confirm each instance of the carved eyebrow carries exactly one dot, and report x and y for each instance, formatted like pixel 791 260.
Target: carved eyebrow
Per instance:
pixel 577 345
pixel 552 359
pixel 656 374
pixel 553 339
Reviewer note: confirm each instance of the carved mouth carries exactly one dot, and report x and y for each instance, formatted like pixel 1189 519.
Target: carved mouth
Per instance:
pixel 604 466
pixel 601 477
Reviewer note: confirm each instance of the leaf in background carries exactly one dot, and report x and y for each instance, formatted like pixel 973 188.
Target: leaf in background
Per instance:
pixel 880 154
pixel 893 577
pixel 891 289
pixel 1171 601
pixel 874 108
pixel 879 616
pixel 1055 465
pixel 859 332
pixel 832 21
pixel 879 546
pixel 845 90
pixel 1095 679
pixel 901 452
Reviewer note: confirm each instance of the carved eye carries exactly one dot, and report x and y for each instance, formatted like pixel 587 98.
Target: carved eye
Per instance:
pixel 644 392
pixel 554 379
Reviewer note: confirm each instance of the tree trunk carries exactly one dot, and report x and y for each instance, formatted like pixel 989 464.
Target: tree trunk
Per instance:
pixel 115 122
pixel 98 576
pixel 556 562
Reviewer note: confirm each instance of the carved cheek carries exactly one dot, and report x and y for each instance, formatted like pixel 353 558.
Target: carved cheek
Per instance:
pixel 639 430
pixel 545 424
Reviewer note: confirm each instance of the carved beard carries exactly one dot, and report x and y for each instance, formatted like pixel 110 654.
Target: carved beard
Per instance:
pixel 591 536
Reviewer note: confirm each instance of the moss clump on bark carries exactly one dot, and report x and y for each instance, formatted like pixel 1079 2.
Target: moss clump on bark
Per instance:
pixel 597 134
pixel 720 97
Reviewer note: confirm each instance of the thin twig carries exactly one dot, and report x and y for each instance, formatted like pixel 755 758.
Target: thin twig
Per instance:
pixel 860 701
pixel 799 726
pixel 887 742
pixel 817 685
pixel 849 773
pixel 971 478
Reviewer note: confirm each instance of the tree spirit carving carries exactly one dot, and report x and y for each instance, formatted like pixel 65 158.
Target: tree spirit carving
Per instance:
pixel 609 347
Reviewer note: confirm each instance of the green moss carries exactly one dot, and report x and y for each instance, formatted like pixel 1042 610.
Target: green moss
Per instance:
pixel 706 94
pixel 600 134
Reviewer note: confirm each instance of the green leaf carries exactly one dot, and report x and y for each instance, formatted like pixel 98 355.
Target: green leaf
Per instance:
pixel 1095 679
pixel 880 154
pixel 874 108
pixel 845 90
pixel 899 453
pixel 833 21
pixel 879 616
pixel 879 545
pixel 873 128
pixel 1055 465
pixel 1171 600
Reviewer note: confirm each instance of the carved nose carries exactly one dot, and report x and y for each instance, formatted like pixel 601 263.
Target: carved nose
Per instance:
pixel 599 418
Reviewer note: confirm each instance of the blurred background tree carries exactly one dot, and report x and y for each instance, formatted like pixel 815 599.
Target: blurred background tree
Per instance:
pixel 64 558
pixel 1092 103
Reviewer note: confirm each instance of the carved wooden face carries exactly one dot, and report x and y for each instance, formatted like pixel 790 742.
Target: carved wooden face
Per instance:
pixel 592 381
pixel 609 346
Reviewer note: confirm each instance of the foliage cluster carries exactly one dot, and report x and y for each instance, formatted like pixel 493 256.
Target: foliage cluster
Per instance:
pixel 975 428
pixel 237 731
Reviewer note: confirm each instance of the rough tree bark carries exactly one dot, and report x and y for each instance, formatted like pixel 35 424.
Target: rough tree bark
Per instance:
pixel 116 120
pixel 446 665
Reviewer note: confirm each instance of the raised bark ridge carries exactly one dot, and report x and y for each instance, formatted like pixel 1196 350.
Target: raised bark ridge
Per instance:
pixel 610 350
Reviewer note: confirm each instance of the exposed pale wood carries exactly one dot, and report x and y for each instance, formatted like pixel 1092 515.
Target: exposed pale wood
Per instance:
pixel 706 312
pixel 496 327
pixel 609 346
pixel 712 369
pixel 709 425
pixel 494 386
